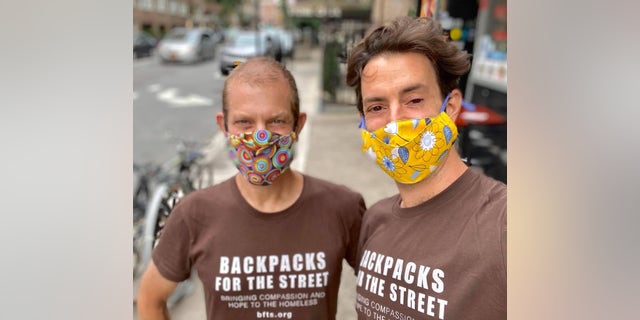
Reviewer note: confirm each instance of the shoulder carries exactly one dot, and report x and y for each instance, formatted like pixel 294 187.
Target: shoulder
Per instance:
pixel 334 200
pixel 204 200
pixel 384 205
pixel 486 189
pixel 491 219
pixel 489 204
pixel 380 210
pixel 324 188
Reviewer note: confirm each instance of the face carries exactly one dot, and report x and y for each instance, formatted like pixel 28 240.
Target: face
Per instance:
pixel 252 108
pixel 399 86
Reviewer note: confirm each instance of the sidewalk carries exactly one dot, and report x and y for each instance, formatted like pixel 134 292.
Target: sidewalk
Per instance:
pixel 334 154
pixel 329 148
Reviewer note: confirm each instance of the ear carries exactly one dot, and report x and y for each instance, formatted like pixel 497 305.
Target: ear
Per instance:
pixel 302 119
pixel 220 121
pixel 454 105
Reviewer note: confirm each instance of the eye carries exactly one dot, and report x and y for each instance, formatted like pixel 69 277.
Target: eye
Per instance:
pixel 374 108
pixel 416 101
pixel 242 122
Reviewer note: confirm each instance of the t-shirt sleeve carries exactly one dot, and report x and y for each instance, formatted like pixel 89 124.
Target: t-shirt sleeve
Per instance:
pixel 354 235
pixel 172 254
pixel 503 235
pixel 499 205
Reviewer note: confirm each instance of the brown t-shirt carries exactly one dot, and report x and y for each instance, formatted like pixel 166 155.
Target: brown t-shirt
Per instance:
pixel 254 265
pixel 442 259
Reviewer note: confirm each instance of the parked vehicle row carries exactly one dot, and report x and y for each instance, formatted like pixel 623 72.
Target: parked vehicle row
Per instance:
pixel 191 45
pixel 143 44
pixel 188 45
pixel 242 45
pixel 285 39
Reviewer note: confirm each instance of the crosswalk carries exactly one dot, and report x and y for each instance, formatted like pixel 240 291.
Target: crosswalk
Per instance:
pixel 174 98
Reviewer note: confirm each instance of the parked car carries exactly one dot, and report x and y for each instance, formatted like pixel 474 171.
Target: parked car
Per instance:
pixel 286 40
pixel 188 45
pixel 230 33
pixel 247 44
pixel 143 44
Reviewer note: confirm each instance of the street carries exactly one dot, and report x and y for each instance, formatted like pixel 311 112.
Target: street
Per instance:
pixel 173 102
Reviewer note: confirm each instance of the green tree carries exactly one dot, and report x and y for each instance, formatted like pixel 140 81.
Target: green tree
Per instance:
pixel 331 69
pixel 227 8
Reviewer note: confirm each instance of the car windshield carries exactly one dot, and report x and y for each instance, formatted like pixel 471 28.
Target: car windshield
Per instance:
pixel 245 40
pixel 182 35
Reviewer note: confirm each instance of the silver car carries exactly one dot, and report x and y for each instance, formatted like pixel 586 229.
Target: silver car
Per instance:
pixel 188 45
pixel 286 40
pixel 247 44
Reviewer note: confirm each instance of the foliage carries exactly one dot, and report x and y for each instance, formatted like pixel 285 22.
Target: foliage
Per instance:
pixel 227 8
pixel 312 22
pixel 331 69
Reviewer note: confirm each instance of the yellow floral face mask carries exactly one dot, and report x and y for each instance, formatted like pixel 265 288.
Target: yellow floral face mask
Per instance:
pixel 410 150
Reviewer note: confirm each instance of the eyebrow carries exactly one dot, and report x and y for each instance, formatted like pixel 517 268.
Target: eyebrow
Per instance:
pixel 281 115
pixel 403 91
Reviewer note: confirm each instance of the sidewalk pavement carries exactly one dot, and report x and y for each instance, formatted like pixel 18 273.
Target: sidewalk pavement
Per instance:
pixel 334 154
pixel 328 148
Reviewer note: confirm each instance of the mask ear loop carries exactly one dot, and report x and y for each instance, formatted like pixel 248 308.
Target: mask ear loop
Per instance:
pixel 442 108
pixel 361 125
pixel 444 103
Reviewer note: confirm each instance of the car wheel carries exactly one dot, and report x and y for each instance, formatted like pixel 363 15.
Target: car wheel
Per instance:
pixel 224 72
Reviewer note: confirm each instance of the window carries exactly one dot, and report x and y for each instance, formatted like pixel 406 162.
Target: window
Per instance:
pixel 162 5
pixel 146 5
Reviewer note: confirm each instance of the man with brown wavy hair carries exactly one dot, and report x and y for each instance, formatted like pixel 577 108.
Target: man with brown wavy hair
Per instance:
pixel 438 248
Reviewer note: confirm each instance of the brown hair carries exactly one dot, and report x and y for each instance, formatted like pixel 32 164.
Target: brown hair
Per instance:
pixel 406 34
pixel 259 71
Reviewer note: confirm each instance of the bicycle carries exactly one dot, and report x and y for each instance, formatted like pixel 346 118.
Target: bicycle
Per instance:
pixel 142 186
pixel 158 191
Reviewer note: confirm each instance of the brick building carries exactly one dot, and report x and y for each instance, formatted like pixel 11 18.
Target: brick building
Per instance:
pixel 159 16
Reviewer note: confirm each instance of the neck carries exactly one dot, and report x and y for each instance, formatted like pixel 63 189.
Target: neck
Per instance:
pixel 449 171
pixel 281 194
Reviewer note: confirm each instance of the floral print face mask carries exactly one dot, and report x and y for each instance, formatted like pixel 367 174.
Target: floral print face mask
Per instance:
pixel 410 150
pixel 261 156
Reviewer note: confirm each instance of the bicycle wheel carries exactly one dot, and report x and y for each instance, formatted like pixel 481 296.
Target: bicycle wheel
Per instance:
pixel 201 175
pixel 140 199
pixel 158 211
pixel 167 202
pixel 138 227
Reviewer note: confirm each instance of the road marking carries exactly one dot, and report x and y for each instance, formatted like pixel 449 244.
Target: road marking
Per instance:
pixel 171 97
pixel 154 87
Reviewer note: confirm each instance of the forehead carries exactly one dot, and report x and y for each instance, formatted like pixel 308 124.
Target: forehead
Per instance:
pixel 394 70
pixel 271 96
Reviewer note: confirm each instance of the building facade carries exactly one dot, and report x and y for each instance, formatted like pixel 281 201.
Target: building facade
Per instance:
pixel 159 16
